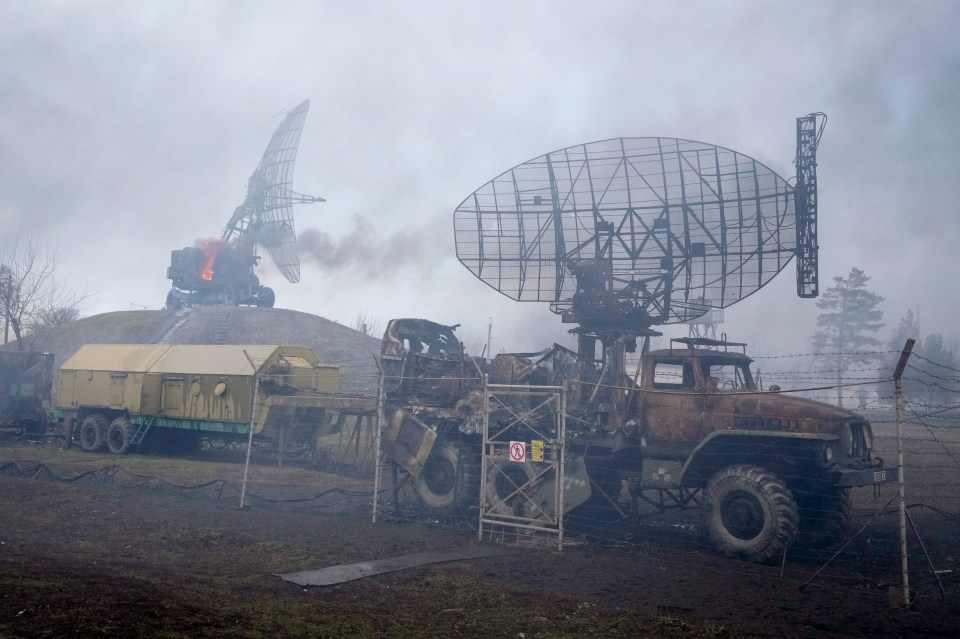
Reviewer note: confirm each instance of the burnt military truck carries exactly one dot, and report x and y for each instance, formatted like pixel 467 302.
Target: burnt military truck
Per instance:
pixel 216 274
pixel 120 397
pixel 26 379
pixel 689 429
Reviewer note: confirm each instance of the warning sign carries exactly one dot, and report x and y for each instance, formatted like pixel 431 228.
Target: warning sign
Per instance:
pixel 536 450
pixel 518 451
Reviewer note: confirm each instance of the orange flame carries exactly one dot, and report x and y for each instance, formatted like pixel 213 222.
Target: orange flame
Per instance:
pixel 210 249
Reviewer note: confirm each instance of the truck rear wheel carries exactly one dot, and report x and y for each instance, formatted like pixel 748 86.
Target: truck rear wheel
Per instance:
pixel 93 433
pixel 450 479
pixel 267 298
pixel 749 512
pixel 119 436
pixel 824 517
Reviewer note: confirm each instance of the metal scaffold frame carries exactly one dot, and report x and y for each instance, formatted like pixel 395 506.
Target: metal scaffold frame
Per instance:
pixel 523 459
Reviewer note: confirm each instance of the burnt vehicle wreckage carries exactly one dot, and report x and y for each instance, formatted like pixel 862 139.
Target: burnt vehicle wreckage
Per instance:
pixel 620 236
pixel 26 378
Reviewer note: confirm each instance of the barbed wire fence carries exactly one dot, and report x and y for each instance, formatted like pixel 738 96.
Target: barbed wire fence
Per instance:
pixel 866 556
pixel 867 551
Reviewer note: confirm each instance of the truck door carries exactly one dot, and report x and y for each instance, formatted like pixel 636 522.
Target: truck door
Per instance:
pixel 670 411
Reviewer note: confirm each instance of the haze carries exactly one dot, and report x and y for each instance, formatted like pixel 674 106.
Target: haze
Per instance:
pixel 130 129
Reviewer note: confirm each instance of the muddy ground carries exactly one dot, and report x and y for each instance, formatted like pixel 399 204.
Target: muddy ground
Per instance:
pixel 129 551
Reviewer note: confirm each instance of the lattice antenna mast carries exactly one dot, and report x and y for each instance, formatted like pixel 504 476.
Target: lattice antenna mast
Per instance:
pixel 265 217
pixel 809 130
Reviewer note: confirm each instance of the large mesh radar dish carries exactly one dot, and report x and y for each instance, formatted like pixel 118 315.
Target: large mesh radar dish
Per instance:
pixel 629 233
pixel 266 215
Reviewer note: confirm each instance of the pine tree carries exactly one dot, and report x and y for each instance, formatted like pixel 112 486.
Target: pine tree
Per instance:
pixel 850 316
pixel 931 377
pixel 937 372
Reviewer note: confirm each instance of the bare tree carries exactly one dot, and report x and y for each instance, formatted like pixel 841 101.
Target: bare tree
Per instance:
pixel 367 326
pixel 30 297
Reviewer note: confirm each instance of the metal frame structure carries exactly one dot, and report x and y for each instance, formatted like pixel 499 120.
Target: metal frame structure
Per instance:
pixel 511 502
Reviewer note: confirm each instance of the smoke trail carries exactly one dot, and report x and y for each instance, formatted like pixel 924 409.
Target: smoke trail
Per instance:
pixel 362 249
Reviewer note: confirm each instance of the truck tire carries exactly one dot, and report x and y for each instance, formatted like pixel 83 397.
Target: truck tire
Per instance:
pixel 749 513
pixel 119 436
pixel 502 496
pixel 449 482
pixel 266 298
pixel 93 433
pixel 824 517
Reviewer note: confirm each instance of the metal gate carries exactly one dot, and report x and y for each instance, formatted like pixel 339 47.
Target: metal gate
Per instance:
pixel 523 458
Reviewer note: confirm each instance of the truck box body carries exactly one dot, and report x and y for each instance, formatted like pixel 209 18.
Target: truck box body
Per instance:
pixel 198 387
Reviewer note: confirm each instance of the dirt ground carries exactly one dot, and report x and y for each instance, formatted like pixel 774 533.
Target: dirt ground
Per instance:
pixel 119 552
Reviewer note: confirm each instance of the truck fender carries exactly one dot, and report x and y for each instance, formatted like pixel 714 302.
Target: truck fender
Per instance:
pixel 724 447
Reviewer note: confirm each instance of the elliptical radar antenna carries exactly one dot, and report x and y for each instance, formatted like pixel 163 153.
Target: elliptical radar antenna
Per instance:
pixel 624 234
pixel 266 215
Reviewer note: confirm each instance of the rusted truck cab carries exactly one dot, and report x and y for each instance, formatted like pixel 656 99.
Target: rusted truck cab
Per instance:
pixel 697 403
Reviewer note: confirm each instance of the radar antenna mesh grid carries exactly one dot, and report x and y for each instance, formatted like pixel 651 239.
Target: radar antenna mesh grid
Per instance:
pixel 677 226
pixel 266 215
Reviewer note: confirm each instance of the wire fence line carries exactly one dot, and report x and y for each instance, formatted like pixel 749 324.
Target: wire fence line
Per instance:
pixel 866 555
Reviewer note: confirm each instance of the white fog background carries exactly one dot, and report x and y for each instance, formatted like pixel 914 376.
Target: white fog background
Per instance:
pixel 128 129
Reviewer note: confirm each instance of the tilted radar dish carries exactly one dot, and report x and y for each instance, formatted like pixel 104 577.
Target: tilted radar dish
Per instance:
pixel 266 215
pixel 221 272
pixel 628 233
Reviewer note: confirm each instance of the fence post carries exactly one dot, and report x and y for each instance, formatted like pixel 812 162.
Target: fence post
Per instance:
pixel 897 375
pixel 377 459
pixel 253 421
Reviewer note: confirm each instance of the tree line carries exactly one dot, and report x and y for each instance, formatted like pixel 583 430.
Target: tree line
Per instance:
pixel 847 337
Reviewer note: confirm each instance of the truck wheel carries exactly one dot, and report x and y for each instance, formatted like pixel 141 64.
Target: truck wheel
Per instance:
pixel 449 481
pixel 93 433
pixel 824 517
pixel 119 436
pixel 502 496
pixel 749 512
pixel 267 298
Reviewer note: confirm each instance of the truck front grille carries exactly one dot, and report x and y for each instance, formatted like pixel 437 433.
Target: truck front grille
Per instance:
pixel 859 447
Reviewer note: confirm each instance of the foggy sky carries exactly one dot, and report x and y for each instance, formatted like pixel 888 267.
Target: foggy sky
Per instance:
pixel 128 129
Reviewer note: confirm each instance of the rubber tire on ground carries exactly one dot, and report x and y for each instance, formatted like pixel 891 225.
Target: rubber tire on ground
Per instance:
pixel 824 517
pixel 266 298
pixel 93 433
pixel 119 436
pixel 749 513
pixel 450 481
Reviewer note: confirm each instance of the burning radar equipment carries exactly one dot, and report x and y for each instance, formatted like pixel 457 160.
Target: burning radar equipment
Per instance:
pixel 221 271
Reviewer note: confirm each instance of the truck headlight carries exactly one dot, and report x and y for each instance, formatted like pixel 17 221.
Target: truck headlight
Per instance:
pixel 828 454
